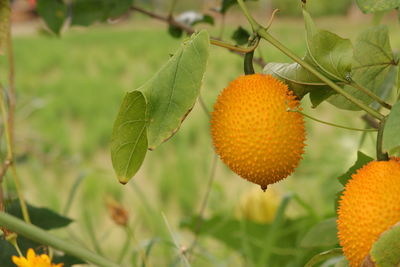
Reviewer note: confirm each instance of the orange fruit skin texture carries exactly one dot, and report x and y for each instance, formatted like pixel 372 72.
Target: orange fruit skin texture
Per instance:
pixel 369 205
pixel 254 133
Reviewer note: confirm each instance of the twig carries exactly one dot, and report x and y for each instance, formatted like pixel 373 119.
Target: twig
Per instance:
pixel 333 124
pixel 187 29
pixel 204 107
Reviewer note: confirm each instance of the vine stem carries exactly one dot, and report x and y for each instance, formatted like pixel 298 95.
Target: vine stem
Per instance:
pixel 43 237
pixel 380 155
pixel 8 120
pixel 371 95
pixel 10 157
pixel 243 50
pixel 186 29
pixel 333 124
pixel 262 32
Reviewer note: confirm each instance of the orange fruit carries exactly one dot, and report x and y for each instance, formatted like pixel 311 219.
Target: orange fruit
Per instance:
pixel 369 205
pixel 253 131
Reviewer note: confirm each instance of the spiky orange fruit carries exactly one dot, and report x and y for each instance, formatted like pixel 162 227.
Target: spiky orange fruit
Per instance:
pixel 369 205
pixel 254 133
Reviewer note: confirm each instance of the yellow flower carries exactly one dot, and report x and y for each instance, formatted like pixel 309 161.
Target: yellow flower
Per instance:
pixel 33 260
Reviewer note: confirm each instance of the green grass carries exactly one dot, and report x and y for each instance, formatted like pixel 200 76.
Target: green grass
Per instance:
pixel 69 91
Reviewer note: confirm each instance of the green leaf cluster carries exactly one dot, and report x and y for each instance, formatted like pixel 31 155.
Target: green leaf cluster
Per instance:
pixel 367 67
pixel 153 113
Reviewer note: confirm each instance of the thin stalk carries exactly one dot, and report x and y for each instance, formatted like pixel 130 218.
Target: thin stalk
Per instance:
pixel 203 206
pixel 265 35
pixel 273 231
pixel 380 155
pixel 43 237
pixel 12 238
pixel 10 157
pixel 11 85
pixel 235 48
pixel 333 124
pixel 126 245
pixel 92 234
pixel 173 5
pixel 371 95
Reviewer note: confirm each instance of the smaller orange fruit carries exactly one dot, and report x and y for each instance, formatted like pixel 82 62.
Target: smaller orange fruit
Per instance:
pixel 369 206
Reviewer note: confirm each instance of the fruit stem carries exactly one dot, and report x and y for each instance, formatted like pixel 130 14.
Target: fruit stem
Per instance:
pixel 380 155
pixel 333 124
pixel 248 57
pixel 262 32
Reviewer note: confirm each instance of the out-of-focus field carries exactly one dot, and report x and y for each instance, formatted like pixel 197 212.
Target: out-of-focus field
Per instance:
pixel 69 91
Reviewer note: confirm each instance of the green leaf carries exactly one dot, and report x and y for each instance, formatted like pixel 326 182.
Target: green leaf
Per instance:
pixel 86 12
pixel 299 80
pixel 41 217
pixel 391 136
pixel 174 31
pixel 226 4
pixel 323 256
pixel 372 6
pixel 129 136
pixel 386 250
pixel 248 238
pixel 172 91
pixel 320 95
pixel 5 12
pixel 323 234
pixel 330 53
pixel 362 160
pixel 54 13
pixel 372 65
pixel 241 36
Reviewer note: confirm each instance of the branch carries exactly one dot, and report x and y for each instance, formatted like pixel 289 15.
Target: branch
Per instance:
pixel 187 29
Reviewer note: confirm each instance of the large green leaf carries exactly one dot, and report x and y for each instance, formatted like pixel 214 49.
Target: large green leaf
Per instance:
pixel 129 137
pixel 323 234
pixel 172 91
pixel 386 250
pixel 299 80
pixel 373 62
pixel 330 53
pixel 391 133
pixel 372 6
pixel 4 23
pixel 41 217
pixel 54 13
pixel 362 160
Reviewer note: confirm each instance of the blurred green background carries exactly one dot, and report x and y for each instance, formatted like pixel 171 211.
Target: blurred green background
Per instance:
pixel 69 92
